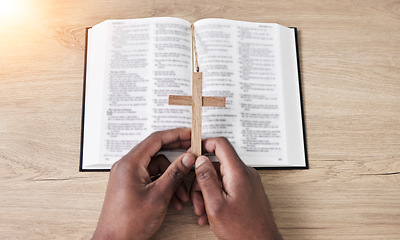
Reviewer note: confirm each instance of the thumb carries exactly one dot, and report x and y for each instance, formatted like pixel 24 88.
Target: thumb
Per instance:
pixel 175 173
pixel 207 179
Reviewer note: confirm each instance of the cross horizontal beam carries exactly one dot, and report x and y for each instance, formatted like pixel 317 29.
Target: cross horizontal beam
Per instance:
pixel 206 101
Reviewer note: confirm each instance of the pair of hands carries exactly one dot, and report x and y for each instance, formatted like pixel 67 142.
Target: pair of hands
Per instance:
pixel 230 195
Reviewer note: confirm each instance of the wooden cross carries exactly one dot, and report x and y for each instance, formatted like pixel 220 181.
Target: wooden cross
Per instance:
pixel 197 101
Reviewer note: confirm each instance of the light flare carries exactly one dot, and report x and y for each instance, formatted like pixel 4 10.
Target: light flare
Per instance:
pixel 12 10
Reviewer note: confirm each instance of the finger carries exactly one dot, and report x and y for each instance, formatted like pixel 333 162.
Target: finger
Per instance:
pixel 159 165
pixel 189 149
pixel 207 179
pixel 176 203
pixel 202 220
pixel 224 151
pixel 174 175
pixel 177 145
pixel 197 198
pixel 182 193
pixel 232 169
pixel 198 203
pixel 153 143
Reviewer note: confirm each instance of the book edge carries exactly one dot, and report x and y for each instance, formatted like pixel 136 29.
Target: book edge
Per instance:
pixel 257 168
pixel 81 169
pixel 301 99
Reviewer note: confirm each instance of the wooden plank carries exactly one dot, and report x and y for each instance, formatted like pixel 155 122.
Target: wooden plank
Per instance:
pixel 180 100
pixel 196 113
pixel 214 101
pixel 206 101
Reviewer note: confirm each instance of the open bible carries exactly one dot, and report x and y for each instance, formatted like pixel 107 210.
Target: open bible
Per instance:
pixel 133 65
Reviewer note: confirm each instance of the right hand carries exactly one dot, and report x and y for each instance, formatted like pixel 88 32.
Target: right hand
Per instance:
pixel 231 196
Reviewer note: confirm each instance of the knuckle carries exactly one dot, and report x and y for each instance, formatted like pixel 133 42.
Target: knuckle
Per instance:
pixel 204 175
pixel 118 166
pixel 114 167
pixel 176 174
pixel 120 170
pixel 253 173
pixel 155 135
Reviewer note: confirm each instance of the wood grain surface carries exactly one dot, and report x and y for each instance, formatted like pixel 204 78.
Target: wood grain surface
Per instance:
pixel 197 105
pixel 205 101
pixel 349 56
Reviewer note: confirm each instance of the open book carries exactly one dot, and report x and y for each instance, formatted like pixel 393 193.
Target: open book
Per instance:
pixel 132 66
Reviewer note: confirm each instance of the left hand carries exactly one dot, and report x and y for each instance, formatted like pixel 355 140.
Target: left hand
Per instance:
pixel 134 205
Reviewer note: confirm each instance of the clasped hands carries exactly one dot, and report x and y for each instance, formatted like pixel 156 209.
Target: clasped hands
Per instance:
pixel 229 195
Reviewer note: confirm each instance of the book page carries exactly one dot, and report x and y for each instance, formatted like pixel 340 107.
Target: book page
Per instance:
pixel 240 61
pixel 145 61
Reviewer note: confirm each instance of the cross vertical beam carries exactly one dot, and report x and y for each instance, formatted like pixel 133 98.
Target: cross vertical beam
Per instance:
pixel 196 113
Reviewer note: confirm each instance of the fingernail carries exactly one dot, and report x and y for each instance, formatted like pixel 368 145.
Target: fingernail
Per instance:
pixel 188 160
pixel 200 161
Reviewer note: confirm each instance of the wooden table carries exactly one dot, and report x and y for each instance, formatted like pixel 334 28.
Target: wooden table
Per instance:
pixel 351 84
